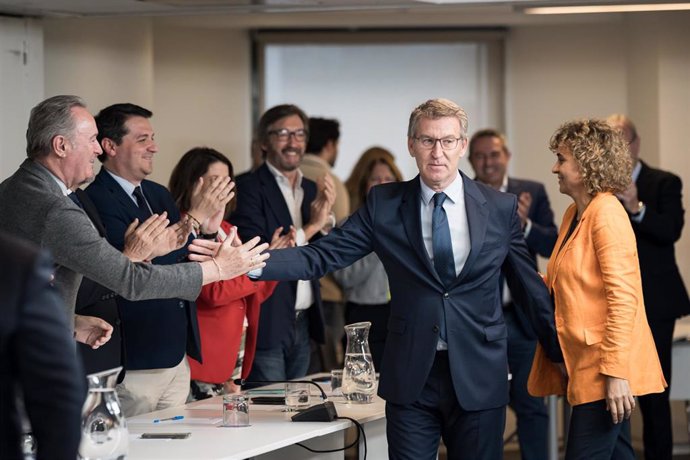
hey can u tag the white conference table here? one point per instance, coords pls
(271, 435)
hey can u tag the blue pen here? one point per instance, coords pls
(177, 417)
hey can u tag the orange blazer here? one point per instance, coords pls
(602, 327)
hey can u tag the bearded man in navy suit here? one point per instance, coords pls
(489, 157)
(444, 240)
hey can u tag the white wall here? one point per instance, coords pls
(639, 66)
(21, 86)
(197, 81)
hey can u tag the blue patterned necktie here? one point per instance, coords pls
(444, 262)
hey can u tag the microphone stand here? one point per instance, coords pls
(324, 412)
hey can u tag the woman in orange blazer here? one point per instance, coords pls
(594, 278)
(227, 311)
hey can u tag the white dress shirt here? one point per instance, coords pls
(293, 198)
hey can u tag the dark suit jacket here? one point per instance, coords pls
(94, 299)
(37, 356)
(390, 225)
(665, 296)
(261, 209)
(159, 331)
(542, 235)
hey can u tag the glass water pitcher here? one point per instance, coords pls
(359, 375)
(104, 434)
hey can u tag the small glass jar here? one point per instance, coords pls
(235, 410)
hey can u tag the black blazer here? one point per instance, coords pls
(159, 331)
(94, 299)
(665, 296)
(37, 356)
(261, 209)
(542, 236)
(390, 225)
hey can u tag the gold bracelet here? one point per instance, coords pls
(220, 272)
(196, 225)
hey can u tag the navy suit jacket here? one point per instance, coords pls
(543, 234)
(38, 361)
(390, 225)
(158, 332)
(94, 299)
(261, 209)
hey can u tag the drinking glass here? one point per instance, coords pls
(296, 396)
(235, 410)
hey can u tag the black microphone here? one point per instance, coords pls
(324, 412)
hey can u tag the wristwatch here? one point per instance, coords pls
(640, 208)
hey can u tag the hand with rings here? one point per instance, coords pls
(208, 201)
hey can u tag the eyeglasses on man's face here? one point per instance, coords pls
(284, 134)
(447, 143)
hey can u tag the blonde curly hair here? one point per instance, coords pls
(599, 151)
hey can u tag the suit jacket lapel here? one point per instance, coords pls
(477, 220)
(560, 249)
(411, 217)
(642, 182)
(274, 196)
(91, 211)
(118, 191)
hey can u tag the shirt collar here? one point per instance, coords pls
(280, 177)
(636, 171)
(504, 185)
(126, 185)
(454, 190)
(63, 188)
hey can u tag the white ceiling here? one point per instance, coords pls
(58, 8)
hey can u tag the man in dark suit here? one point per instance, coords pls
(94, 299)
(160, 332)
(277, 195)
(655, 206)
(444, 241)
(38, 361)
(489, 157)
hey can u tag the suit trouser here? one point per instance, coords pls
(593, 435)
(147, 390)
(531, 413)
(414, 430)
(657, 431)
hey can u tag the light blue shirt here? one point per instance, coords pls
(635, 174)
(128, 187)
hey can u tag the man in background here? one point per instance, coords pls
(654, 203)
(318, 161)
(277, 195)
(38, 362)
(489, 157)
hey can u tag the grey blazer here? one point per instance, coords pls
(33, 207)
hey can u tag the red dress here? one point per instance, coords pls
(221, 308)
